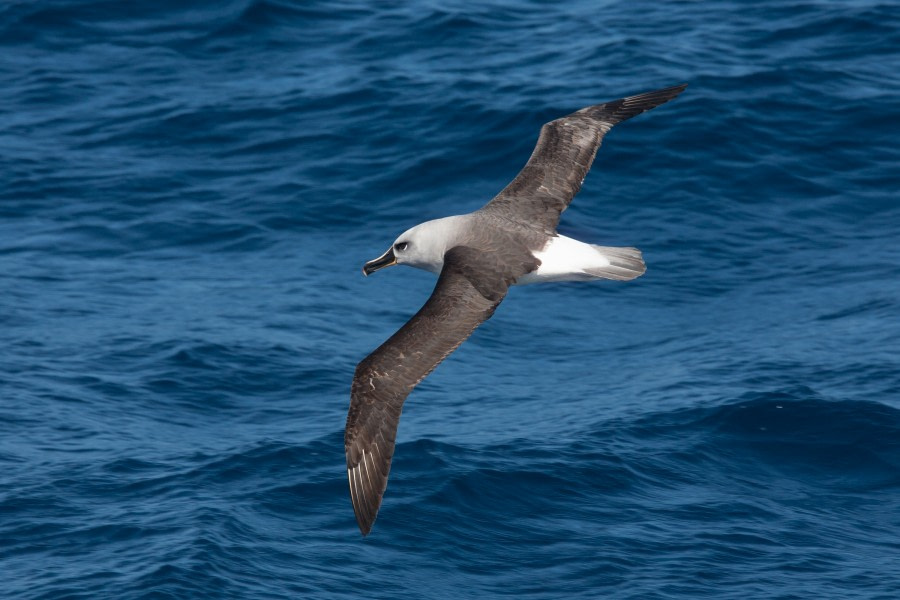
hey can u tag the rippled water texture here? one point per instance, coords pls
(189, 190)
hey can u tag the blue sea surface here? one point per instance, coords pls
(189, 189)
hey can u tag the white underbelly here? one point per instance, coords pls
(565, 259)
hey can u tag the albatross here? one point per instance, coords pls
(512, 240)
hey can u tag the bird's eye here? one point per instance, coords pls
(400, 246)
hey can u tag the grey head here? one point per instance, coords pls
(422, 246)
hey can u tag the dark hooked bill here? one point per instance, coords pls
(385, 260)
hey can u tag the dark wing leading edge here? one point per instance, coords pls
(468, 290)
(562, 158)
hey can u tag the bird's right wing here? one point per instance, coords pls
(468, 290)
(563, 157)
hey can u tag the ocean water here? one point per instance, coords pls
(189, 189)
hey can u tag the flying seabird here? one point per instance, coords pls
(511, 240)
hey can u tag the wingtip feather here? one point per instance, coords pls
(616, 111)
(364, 508)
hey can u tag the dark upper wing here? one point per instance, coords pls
(562, 158)
(468, 290)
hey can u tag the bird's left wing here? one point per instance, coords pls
(468, 290)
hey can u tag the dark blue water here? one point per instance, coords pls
(189, 189)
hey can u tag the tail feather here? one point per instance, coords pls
(624, 263)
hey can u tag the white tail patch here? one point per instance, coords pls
(565, 259)
(624, 263)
